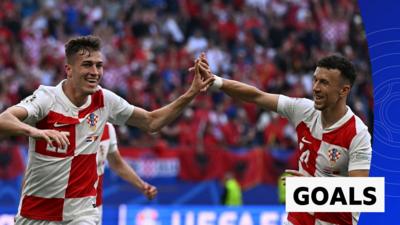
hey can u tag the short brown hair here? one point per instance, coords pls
(340, 63)
(83, 44)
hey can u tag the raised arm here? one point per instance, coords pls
(239, 90)
(153, 121)
(247, 93)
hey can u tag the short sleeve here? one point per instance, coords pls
(119, 109)
(360, 151)
(113, 139)
(37, 105)
(295, 109)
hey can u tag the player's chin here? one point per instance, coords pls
(318, 106)
(90, 89)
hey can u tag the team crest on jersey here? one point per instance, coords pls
(334, 155)
(92, 120)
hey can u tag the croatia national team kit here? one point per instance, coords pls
(108, 145)
(60, 183)
(333, 151)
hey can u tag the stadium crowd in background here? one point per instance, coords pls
(270, 44)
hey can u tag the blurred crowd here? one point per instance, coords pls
(150, 44)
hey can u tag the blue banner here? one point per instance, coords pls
(382, 28)
(180, 215)
(201, 215)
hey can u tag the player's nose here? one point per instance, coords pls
(94, 70)
(316, 87)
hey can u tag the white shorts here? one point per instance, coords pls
(100, 208)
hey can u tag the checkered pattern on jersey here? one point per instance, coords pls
(64, 177)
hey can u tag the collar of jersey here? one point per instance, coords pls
(68, 102)
(338, 123)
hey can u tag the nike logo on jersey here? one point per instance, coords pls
(57, 124)
(305, 140)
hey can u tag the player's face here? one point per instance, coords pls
(328, 88)
(85, 71)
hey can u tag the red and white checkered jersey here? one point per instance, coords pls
(108, 144)
(326, 152)
(60, 184)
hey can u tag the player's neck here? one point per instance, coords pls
(331, 115)
(77, 98)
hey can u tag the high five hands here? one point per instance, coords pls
(202, 69)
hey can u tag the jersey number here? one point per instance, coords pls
(305, 156)
(56, 149)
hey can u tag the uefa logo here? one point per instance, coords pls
(147, 216)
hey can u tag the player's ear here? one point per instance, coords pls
(345, 90)
(68, 70)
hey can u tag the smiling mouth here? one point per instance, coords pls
(318, 98)
(92, 81)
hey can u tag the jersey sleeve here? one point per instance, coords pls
(294, 109)
(119, 109)
(360, 151)
(113, 139)
(37, 105)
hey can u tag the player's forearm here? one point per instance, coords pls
(11, 125)
(247, 93)
(168, 113)
(240, 90)
(128, 174)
